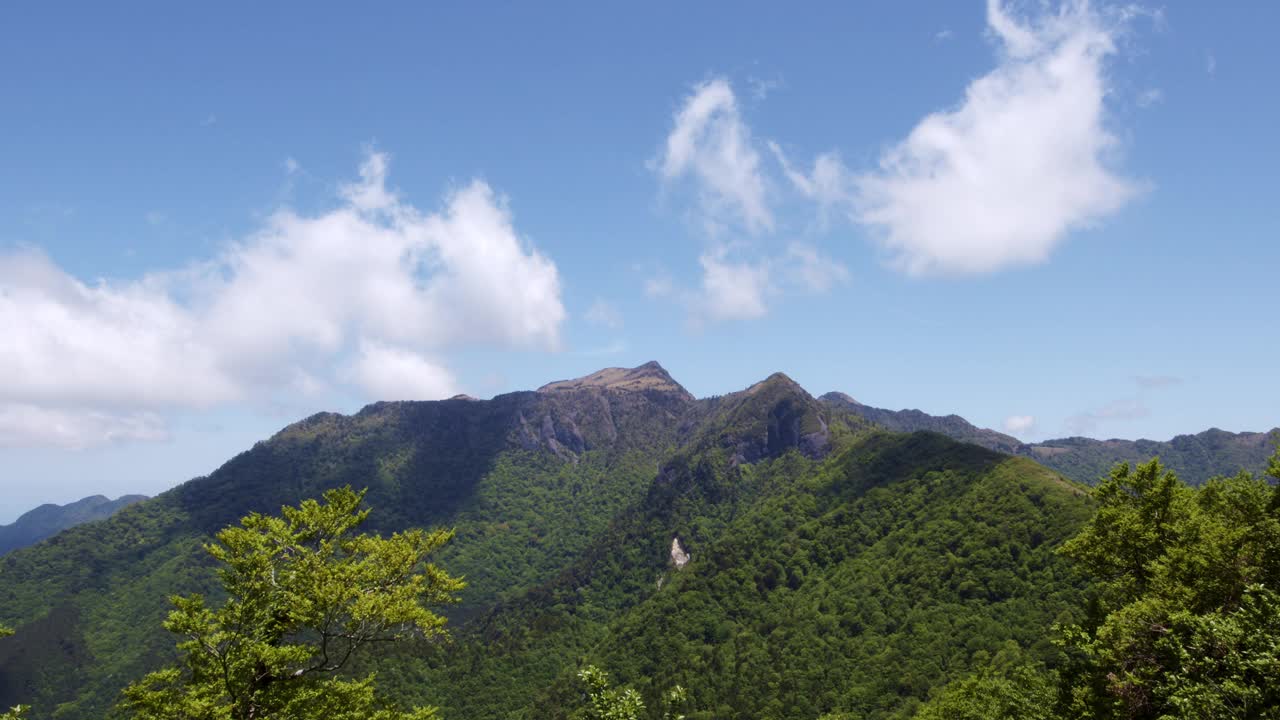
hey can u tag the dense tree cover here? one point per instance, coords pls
(86, 603)
(837, 572)
(18, 711)
(48, 520)
(1187, 613)
(1196, 458)
(1183, 619)
(304, 593)
(853, 584)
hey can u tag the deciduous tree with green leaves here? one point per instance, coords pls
(305, 593)
(1187, 621)
(604, 702)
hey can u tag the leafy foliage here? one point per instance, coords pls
(854, 584)
(1187, 617)
(1020, 693)
(1183, 619)
(86, 602)
(304, 593)
(607, 703)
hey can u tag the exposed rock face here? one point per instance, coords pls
(679, 557)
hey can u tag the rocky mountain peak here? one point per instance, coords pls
(647, 378)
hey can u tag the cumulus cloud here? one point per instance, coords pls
(391, 373)
(710, 144)
(275, 311)
(1000, 179)
(1019, 424)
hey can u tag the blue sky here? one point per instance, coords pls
(1051, 219)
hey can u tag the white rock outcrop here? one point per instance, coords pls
(679, 557)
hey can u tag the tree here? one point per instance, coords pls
(305, 594)
(1022, 693)
(1187, 618)
(605, 702)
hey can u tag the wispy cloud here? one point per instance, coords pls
(604, 314)
(1154, 382)
(1133, 407)
(1149, 97)
(943, 34)
(710, 145)
(1086, 423)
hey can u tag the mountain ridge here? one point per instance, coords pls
(567, 501)
(1196, 457)
(49, 519)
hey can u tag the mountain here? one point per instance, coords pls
(1195, 458)
(777, 554)
(953, 426)
(529, 479)
(49, 519)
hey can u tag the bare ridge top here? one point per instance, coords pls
(645, 378)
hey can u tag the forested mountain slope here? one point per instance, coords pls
(850, 581)
(834, 567)
(1195, 458)
(47, 520)
(527, 478)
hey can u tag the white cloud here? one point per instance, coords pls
(1000, 179)
(23, 425)
(732, 289)
(1019, 424)
(943, 34)
(604, 314)
(102, 345)
(828, 184)
(274, 312)
(710, 142)
(1210, 63)
(391, 373)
